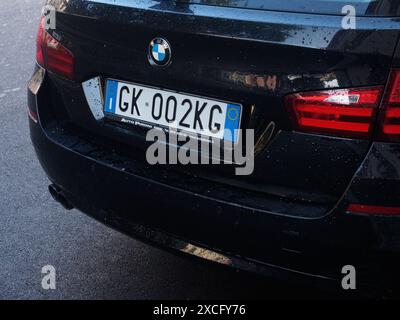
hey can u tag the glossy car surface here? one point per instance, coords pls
(290, 217)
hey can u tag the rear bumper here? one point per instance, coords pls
(153, 212)
(130, 198)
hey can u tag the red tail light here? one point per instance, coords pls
(373, 210)
(342, 112)
(39, 44)
(52, 55)
(390, 111)
(33, 115)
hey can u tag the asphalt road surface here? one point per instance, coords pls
(91, 260)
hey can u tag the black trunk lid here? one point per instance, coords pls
(252, 57)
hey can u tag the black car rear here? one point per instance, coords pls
(325, 190)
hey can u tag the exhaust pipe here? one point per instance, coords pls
(57, 194)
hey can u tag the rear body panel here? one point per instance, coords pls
(136, 199)
(332, 7)
(292, 208)
(257, 58)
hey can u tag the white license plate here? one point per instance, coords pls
(138, 104)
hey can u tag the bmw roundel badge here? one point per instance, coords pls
(159, 52)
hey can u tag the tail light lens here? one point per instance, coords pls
(342, 112)
(39, 44)
(33, 115)
(52, 55)
(390, 111)
(373, 210)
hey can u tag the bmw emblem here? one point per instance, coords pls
(159, 52)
